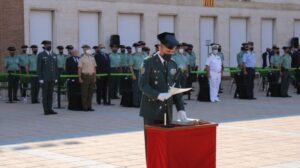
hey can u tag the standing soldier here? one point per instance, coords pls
(286, 63)
(34, 81)
(249, 63)
(87, 77)
(12, 66)
(214, 71)
(115, 60)
(135, 66)
(48, 75)
(23, 62)
(182, 62)
(61, 60)
(158, 74)
(275, 62)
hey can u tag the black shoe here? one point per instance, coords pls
(53, 112)
(253, 98)
(16, 99)
(106, 103)
(10, 102)
(90, 109)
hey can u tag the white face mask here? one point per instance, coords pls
(215, 51)
(89, 52)
(181, 50)
(103, 50)
(139, 50)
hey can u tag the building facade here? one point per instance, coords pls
(229, 22)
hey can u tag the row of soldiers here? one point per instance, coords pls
(121, 59)
(246, 60)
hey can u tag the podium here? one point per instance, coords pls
(188, 146)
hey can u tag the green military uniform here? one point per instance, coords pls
(275, 61)
(23, 62)
(155, 79)
(12, 66)
(182, 62)
(286, 62)
(48, 75)
(34, 81)
(61, 61)
(240, 58)
(136, 62)
(124, 62)
(115, 64)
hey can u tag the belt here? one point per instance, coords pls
(87, 74)
(12, 71)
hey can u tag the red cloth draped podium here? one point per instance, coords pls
(181, 146)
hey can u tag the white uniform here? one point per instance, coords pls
(215, 65)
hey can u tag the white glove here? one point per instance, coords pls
(55, 81)
(164, 96)
(181, 116)
(41, 81)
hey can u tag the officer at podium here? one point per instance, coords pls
(158, 74)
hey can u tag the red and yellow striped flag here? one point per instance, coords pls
(209, 3)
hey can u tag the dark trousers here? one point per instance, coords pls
(13, 84)
(136, 92)
(102, 89)
(35, 87)
(249, 82)
(87, 88)
(114, 84)
(23, 84)
(47, 92)
(285, 80)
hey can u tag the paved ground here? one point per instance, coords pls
(262, 133)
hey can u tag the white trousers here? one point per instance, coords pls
(214, 85)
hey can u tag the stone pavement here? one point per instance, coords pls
(262, 133)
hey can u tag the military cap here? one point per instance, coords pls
(122, 46)
(142, 43)
(145, 49)
(11, 49)
(285, 47)
(95, 47)
(135, 44)
(24, 46)
(86, 46)
(168, 40)
(244, 44)
(128, 48)
(215, 46)
(156, 45)
(60, 47)
(45, 42)
(250, 43)
(191, 46)
(69, 47)
(34, 46)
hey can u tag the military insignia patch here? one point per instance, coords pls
(173, 71)
(142, 70)
(156, 82)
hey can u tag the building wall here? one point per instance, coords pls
(187, 23)
(11, 26)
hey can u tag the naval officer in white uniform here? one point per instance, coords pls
(214, 71)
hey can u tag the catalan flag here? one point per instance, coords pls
(209, 3)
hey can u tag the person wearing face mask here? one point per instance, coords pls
(47, 72)
(158, 74)
(286, 65)
(103, 67)
(11, 64)
(115, 64)
(87, 77)
(34, 81)
(73, 84)
(23, 61)
(249, 63)
(214, 71)
(135, 64)
(182, 62)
